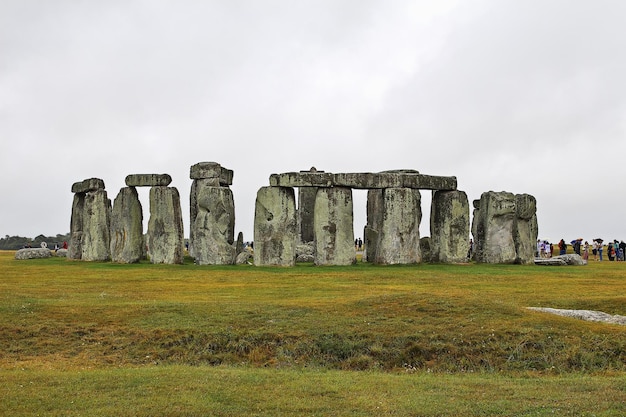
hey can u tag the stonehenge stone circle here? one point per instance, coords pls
(275, 227)
(127, 242)
(449, 227)
(319, 229)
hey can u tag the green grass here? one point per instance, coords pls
(412, 340)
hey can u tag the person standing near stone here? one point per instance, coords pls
(577, 246)
(600, 249)
(586, 251)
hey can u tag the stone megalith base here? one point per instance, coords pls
(95, 241)
(214, 225)
(33, 253)
(75, 247)
(275, 227)
(165, 228)
(333, 227)
(526, 229)
(127, 242)
(392, 232)
(495, 228)
(449, 227)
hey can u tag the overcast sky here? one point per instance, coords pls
(520, 96)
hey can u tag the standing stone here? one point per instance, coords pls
(398, 227)
(214, 225)
(127, 242)
(526, 229)
(95, 241)
(449, 227)
(333, 225)
(495, 225)
(165, 227)
(75, 247)
(275, 227)
(306, 210)
(374, 224)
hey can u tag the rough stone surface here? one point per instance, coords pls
(505, 228)
(305, 249)
(75, 247)
(95, 240)
(373, 225)
(165, 238)
(91, 184)
(127, 242)
(364, 180)
(305, 258)
(61, 252)
(425, 247)
(449, 227)
(211, 170)
(275, 227)
(495, 226)
(214, 226)
(306, 213)
(333, 225)
(148, 180)
(561, 260)
(526, 229)
(395, 225)
(239, 245)
(243, 258)
(32, 253)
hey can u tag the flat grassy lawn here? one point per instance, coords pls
(434, 340)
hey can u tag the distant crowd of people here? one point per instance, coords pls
(615, 250)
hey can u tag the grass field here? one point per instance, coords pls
(430, 340)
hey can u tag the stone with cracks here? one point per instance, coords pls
(148, 180)
(75, 247)
(33, 253)
(449, 227)
(95, 240)
(394, 216)
(333, 226)
(127, 242)
(213, 171)
(495, 227)
(526, 229)
(505, 228)
(91, 184)
(165, 238)
(213, 227)
(275, 227)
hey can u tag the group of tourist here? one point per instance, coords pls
(615, 250)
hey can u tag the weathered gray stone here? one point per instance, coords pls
(243, 258)
(495, 228)
(214, 226)
(374, 209)
(61, 252)
(148, 180)
(275, 227)
(211, 170)
(561, 260)
(91, 184)
(333, 225)
(425, 248)
(305, 258)
(127, 241)
(397, 179)
(239, 245)
(449, 227)
(32, 253)
(395, 224)
(95, 242)
(526, 229)
(305, 249)
(75, 247)
(306, 213)
(165, 228)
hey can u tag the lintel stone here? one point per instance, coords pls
(85, 186)
(211, 170)
(148, 180)
(365, 181)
